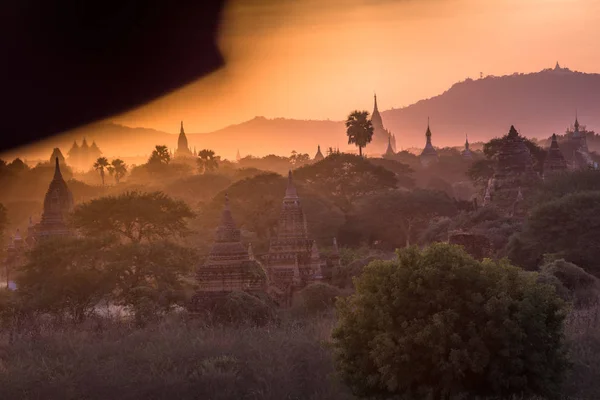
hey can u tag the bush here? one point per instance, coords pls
(438, 322)
(572, 282)
(316, 298)
(235, 309)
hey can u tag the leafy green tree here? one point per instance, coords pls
(150, 278)
(118, 169)
(436, 323)
(359, 129)
(134, 216)
(100, 165)
(343, 178)
(160, 156)
(567, 227)
(65, 276)
(207, 161)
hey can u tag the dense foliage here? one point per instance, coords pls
(439, 322)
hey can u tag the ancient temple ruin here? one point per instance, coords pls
(514, 175)
(183, 150)
(555, 161)
(318, 156)
(293, 260)
(381, 136)
(58, 203)
(229, 266)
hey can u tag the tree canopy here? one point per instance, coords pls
(568, 226)
(436, 322)
(134, 216)
(343, 178)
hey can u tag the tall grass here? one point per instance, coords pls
(180, 358)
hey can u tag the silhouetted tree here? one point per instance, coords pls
(359, 129)
(65, 276)
(343, 178)
(160, 155)
(118, 169)
(100, 165)
(207, 161)
(135, 216)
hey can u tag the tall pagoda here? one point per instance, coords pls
(293, 260)
(581, 158)
(514, 174)
(58, 202)
(429, 154)
(555, 161)
(319, 155)
(381, 136)
(229, 266)
(183, 149)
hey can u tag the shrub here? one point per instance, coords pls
(438, 322)
(316, 297)
(235, 308)
(573, 282)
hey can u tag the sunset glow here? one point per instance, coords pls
(307, 60)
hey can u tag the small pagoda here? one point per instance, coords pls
(466, 154)
(319, 155)
(429, 155)
(555, 161)
(293, 260)
(230, 266)
(389, 152)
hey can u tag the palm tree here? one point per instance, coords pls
(359, 129)
(118, 169)
(100, 164)
(160, 155)
(207, 161)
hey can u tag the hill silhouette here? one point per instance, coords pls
(538, 104)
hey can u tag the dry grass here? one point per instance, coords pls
(182, 359)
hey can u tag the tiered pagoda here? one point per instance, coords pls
(514, 174)
(381, 136)
(429, 154)
(293, 260)
(466, 154)
(319, 155)
(555, 161)
(229, 266)
(183, 149)
(58, 202)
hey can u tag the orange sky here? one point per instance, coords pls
(320, 59)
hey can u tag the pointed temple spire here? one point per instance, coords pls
(181, 128)
(57, 173)
(238, 157)
(389, 152)
(555, 161)
(290, 191)
(375, 103)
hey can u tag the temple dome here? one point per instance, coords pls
(514, 155)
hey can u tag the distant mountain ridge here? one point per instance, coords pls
(537, 104)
